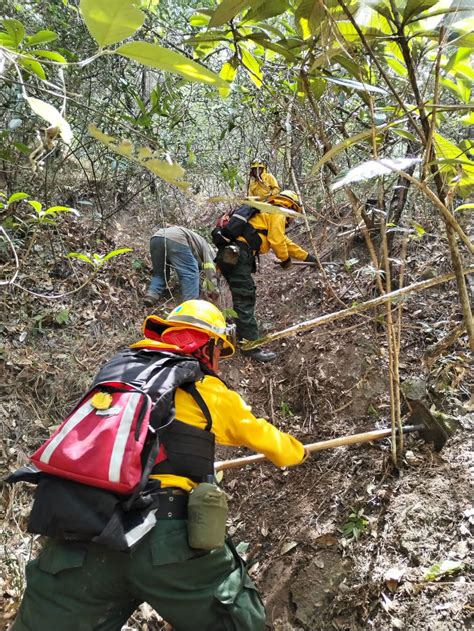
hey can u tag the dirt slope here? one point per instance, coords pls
(296, 524)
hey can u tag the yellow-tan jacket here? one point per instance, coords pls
(233, 423)
(276, 239)
(268, 186)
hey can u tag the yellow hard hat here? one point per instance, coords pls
(199, 315)
(258, 164)
(288, 199)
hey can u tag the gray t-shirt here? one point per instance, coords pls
(202, 251)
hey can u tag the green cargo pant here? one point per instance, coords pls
(243, 290)
(85, 587)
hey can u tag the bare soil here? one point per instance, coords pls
(344, 541)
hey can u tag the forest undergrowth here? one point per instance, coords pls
(344, 541)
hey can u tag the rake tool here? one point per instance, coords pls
(421, 419)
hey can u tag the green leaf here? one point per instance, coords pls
(460, 174)
(464, 207)
(441, 569)
(57, 209)
(82, 257)
(149, 4)
(63, 316)
(373, 168)
(348, 142)
(457, 58)
(405, 134)
(252, 66)
(415, 7)
(50, 54)
(111, 21)
(451, 17)
(36, 205)
(275, 47)
(116, 253)
(16, 197)
(23, 148)
(198, 19)
(33, 66)
(356, 85)
(419, 228)
(155, 56)
(171, 172)
(310, 16)
(227, 10)
(41, 37)
(267, 9)
(166, 169)
(15, 30)
(318, 87)
(7, 41)
(356, 69)
(227, 73)
(271, 209)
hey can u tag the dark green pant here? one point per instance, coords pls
(84, 587)
(243, 290)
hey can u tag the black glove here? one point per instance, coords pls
(286, 263)
(310, 259)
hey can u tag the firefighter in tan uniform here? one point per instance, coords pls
(262, 184)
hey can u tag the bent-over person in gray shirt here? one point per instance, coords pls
(187, 252)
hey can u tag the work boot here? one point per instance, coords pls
(259, 355)
(150, 299)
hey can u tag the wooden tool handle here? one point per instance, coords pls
(365, 437)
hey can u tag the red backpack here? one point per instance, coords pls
(93, 473)
(101, 443)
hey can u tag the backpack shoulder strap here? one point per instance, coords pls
(194, 392)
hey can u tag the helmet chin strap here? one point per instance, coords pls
(209, 355)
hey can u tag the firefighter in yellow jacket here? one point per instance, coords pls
(76, 585)
(267, 233)
(262, 184)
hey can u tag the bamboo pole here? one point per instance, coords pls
(357, 309)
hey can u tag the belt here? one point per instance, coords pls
(173, 504)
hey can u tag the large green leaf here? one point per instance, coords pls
(111, 21)
(166, 169)
(156, 56)
(15, 30)
(374, 18)
(310, 15)
(227, 10)
(41, 37)
(50, 54)
(33, 66)
(415, 7)
(6, 40)
(252, 65)
(264, 207)
(227, 73)
(267, 9)
(373, 168)
(282, 50)
(453, 163)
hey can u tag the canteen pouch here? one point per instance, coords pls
(230, 254)
(207, 517)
